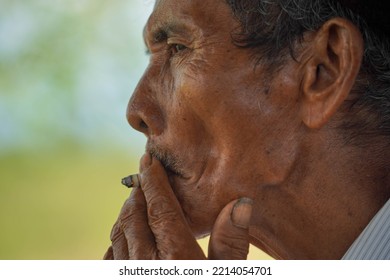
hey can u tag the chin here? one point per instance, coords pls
(199, 216)
(198, 205)
(201, 231)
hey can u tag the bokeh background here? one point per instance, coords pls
(67, 70)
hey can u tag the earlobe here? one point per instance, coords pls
(330, 71)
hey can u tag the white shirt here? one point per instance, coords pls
(374, 242)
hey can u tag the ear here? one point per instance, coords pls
(329, 73)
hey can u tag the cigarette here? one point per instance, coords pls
(132, 181)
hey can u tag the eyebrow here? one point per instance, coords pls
(161, 32)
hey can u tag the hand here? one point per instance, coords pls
(151, 224)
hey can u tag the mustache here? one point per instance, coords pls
(171, 163)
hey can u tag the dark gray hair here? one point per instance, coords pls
(272, 27)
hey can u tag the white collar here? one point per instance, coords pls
(374, 242)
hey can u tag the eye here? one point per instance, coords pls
(176, 48)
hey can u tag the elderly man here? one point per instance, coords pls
(268, 122)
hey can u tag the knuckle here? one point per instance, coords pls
(160, 210)
(143, 252)
(115, 232)
(131, 207)
(109, 255)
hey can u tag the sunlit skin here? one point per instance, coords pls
(220, 127)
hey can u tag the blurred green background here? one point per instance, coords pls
(67, 70)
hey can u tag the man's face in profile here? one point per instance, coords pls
(222, 126)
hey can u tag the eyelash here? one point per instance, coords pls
(176, 48)
(173, 48)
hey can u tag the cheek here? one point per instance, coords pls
(200, 88)
(245, 133)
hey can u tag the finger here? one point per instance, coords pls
(229, 239)
(119, 243)
(134, 223)
(174, 238)
(109, 255)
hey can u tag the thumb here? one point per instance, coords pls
(229, 239)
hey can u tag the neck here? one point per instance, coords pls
(325, 201)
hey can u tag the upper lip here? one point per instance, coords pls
(169, 161)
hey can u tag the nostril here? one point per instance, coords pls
(143, 125)
(137, 122)
(143, 114)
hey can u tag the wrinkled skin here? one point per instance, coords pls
(198, 112)
(221, 129)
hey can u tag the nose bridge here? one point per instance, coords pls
(144, 111)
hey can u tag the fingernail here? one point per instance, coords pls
(146, 160)
(241, 213)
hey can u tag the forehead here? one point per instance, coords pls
(206, 15)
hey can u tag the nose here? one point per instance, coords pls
(144, 111)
